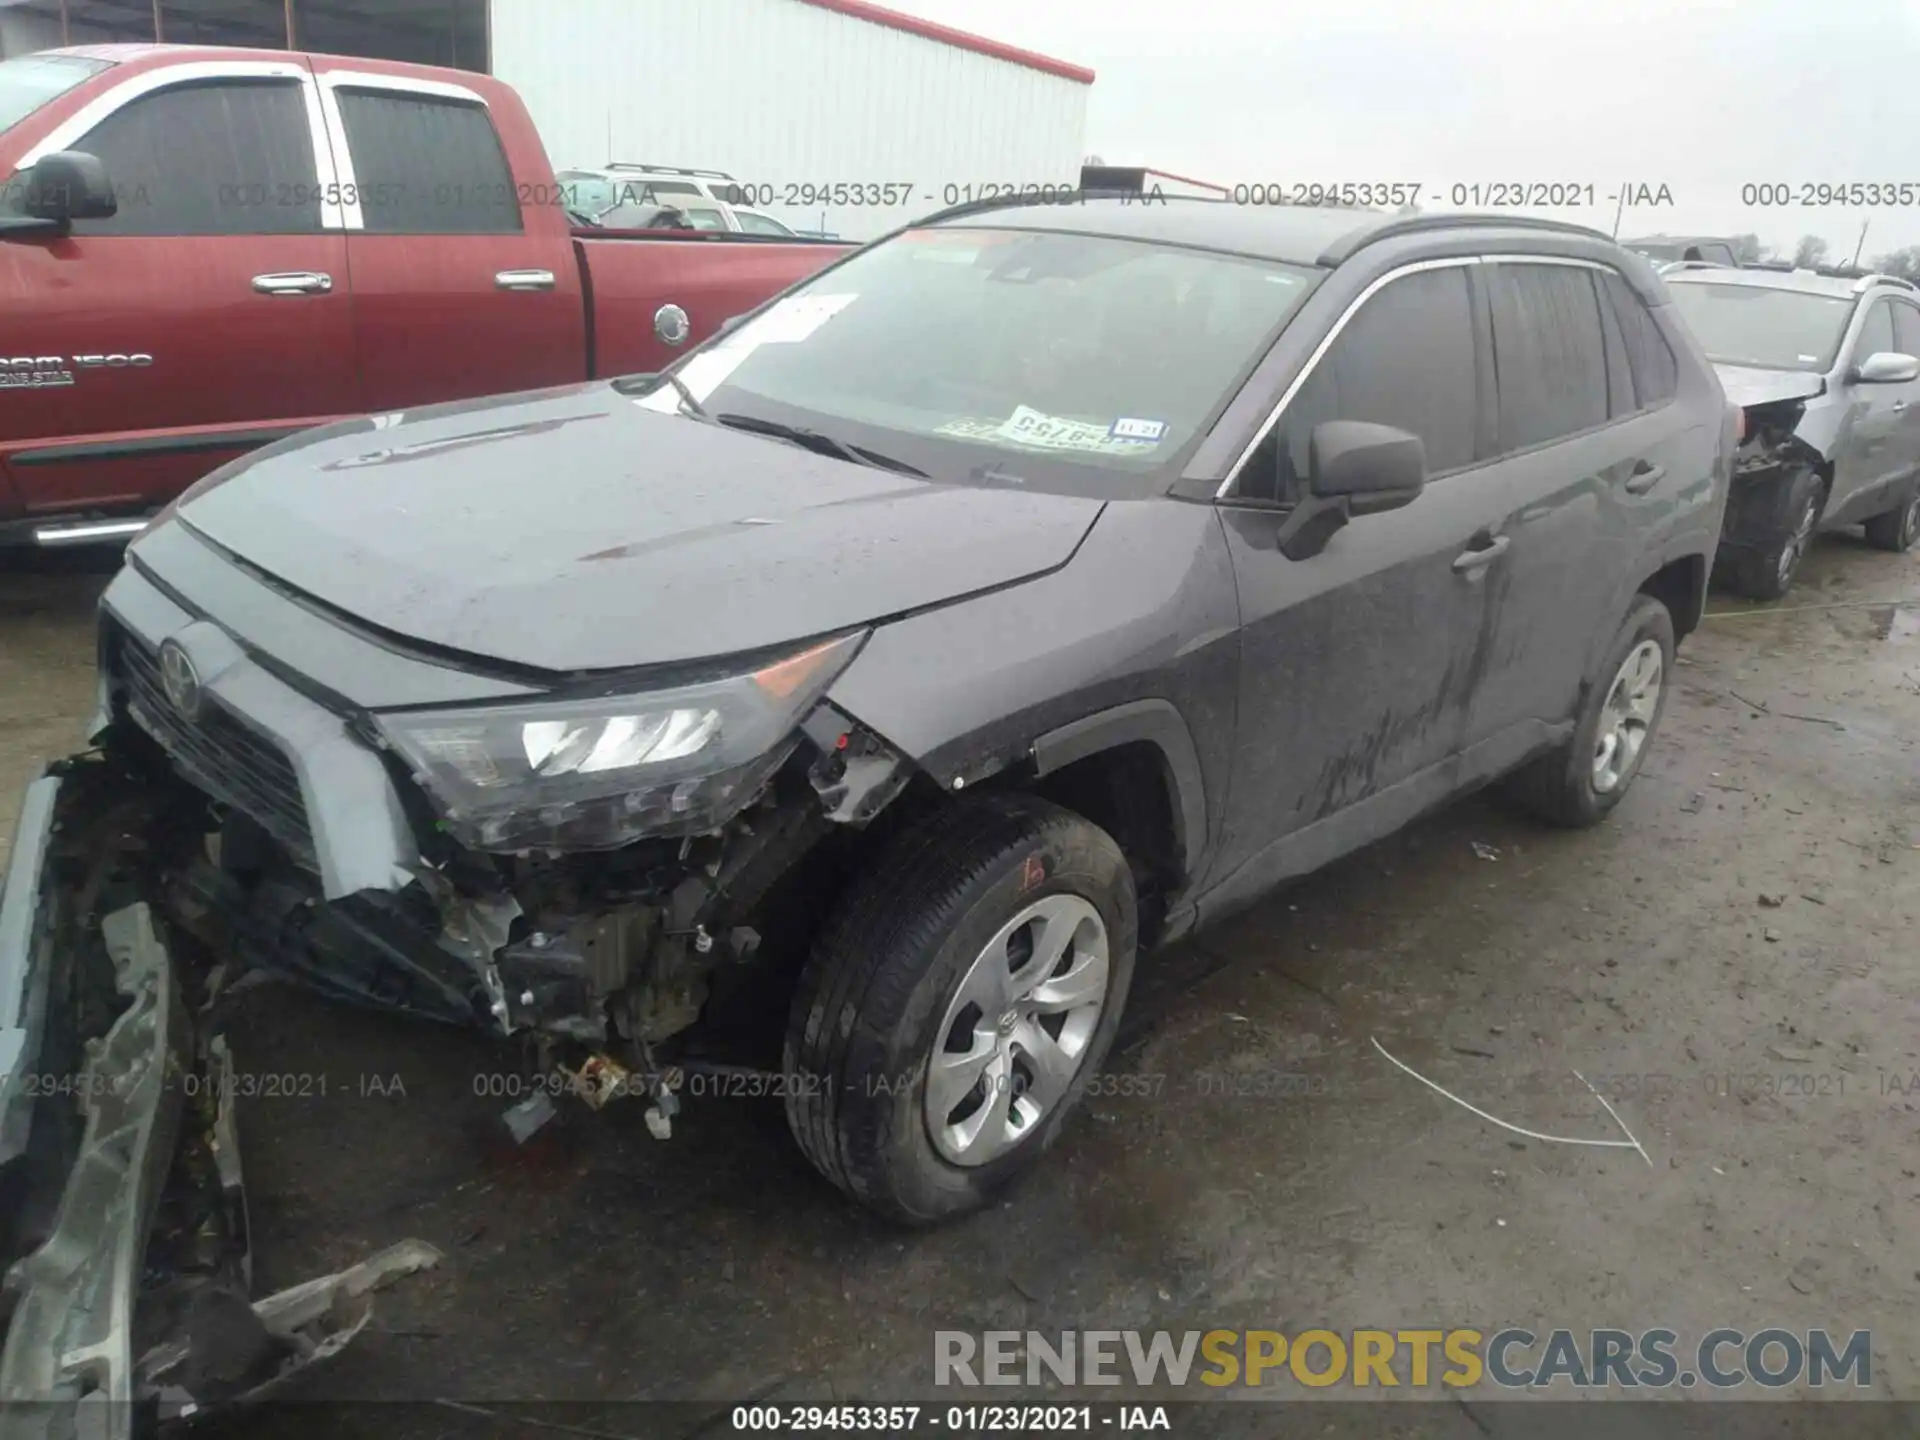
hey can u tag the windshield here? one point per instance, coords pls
(1003, 355)
(31, 81)
(1768, 328)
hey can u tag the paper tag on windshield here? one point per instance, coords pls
(795, 318)
(1027, 426)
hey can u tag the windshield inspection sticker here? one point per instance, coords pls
(1146, 431)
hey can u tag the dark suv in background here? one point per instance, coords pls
(1825, 366)
(859, 700)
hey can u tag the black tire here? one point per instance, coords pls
(866, 1015)
(1898, 528)
(1766, 571)
(1560, 787)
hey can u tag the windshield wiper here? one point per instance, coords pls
(819, 443)
(647, 384)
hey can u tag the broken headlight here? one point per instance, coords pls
(595, 774)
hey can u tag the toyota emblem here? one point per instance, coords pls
(180, 680)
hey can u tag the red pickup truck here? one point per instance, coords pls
(204, 249)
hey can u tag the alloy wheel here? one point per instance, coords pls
(1632, 701)
(1017, 1029)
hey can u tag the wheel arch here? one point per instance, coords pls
(1140, 727)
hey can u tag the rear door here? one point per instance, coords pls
(462, 266)
(1589, 463)
(210, 314)
(1359, 663)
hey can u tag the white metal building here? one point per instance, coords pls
(794, 97)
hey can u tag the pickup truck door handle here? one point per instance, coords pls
(524, 280)
(293, 282)
(1482, 555)
(1644, 477)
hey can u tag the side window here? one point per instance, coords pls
(1549, 356)
(1620, 398)
(1656, 374)
(1876, 333)
(1405, 358)
(223, 157)
(1906, 328)
(425, 165)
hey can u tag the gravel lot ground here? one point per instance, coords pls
(1766, 1055)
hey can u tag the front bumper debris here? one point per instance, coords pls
(127, 1234)
(70, 1342)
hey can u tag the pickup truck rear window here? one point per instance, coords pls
(1059, 351)
(428, 165)
(34, 80)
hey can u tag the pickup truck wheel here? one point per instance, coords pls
(957, 1003)
(1580, 783)
(1898, 528)
(1766, 571)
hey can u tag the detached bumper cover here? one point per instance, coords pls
(69, 1348)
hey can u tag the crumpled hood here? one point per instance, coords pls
(1746, 385)
(573, 529)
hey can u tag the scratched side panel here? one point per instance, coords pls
(1358, 664)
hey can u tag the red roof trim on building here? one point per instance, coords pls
(979, 44)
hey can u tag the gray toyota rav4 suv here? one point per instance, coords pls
(861, 700)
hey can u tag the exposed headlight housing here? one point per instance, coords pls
(596, 774)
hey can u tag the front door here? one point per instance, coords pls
(210, 314)
(1876, 452)
(1359, 664)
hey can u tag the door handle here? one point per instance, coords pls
(1469, 561)
(524, 280)
(1644, 477)
(293, 282)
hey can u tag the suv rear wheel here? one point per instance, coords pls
(957, 1003)
(1580, 783)
(1898, 528)
(1766, 571)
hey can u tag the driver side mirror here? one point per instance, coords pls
(1375, 467)
(1354, 468)
(69, 185)
(1886, 367)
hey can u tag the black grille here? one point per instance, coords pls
(216, 752)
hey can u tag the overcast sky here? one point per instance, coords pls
(1701, 95)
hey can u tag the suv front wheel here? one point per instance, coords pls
(1766, 571)
(957, 1003)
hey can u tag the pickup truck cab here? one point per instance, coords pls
(203, 250)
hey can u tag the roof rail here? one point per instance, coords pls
(1867, 282)
(1056, 197)
(1343, 248)
(1667, 267)
(666, 169)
